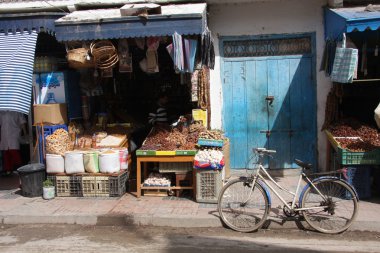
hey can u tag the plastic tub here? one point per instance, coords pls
(109, 162)
(32, 177)
(55, 163)
(123, 157)
(74, 162)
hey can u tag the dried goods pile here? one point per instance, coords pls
(212, 135)
(171, 139)
(369, 137)
(58, 142)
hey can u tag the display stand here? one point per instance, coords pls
(142, 163)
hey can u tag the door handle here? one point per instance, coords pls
(270, 99)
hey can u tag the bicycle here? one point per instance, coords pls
(327, 203)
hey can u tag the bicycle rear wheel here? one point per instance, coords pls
(334, 212)
(242, 209)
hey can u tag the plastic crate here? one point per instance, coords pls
(67, 186)
(209, 183)
(95, 186)
(118, 184)
(360, 178)
(48, 130)
(346, 157)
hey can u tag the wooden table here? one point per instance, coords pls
(142, 163)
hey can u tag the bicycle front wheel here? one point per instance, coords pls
(241, 208)
(332, 206)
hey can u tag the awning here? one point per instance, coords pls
(184, 19)
(12, 23)
(346, 20)
(16, 70)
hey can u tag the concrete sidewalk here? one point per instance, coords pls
(150, 211)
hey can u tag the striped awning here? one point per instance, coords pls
(16, 70)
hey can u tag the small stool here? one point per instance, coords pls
(183, 179)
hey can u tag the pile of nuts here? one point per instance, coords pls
(162, 138)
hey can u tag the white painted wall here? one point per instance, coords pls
(269, 17)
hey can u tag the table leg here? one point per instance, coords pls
(138, 180)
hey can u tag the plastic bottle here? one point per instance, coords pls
(93, 144)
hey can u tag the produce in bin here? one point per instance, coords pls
(355, 136)
(158, 180)
(209, 159)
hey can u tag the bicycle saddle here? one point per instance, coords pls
(303, 165)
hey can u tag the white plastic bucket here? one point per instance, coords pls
(109, 162)
(91, 162)
(123, 157)
(74, 162)
(55, 163)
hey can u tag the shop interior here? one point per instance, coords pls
(350, 111)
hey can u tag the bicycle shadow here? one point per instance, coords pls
(276, 220)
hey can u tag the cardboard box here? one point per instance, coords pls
(49, 86)
(50, 113)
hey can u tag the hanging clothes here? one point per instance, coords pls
(151, 54)
(363, 68)
(207, 49)
(178, 52)
(328, 57)
(190, 51)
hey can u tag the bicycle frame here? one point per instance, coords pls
(294, 194)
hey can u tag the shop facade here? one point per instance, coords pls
(278, 92)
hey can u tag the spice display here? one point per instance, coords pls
(368, 137)
(212, 135)
(58, 142)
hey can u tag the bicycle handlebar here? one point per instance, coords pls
(264, 151)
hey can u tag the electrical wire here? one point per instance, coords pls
(56, 7)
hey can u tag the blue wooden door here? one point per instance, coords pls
(270, 102)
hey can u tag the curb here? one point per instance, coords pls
(166, 220)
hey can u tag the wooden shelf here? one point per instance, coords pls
(141, 167)
(166, 187)
(365, 80)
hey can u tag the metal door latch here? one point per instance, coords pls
(270, 99)
(267, 132)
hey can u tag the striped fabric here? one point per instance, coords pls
(16, 70)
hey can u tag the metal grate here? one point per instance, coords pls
(267, 47)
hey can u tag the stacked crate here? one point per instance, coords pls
(90, 185)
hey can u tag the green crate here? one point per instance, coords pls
(185, 152)
(145, 152)
(346, 157)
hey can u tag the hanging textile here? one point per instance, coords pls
(151, 54)
(207, 49)
(190, 51)
(328, 56)
(16, 70)
(345, 63)
(178, 57)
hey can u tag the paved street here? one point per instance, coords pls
(75, 238)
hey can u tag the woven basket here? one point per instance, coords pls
(104, 53)
(78, 58)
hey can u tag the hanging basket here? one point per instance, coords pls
(104, 53)
(79, 57)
